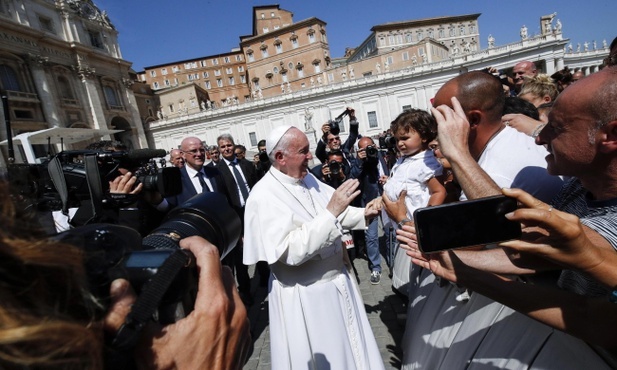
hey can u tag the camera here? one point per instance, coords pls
(387, 142)
(64, 179)
(114, 251)
(335, 124)
(371, 151)
(335, 168)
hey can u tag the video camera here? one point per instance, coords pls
(163, 275)
(72, 176)
(335, 124)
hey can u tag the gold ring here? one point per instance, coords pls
(507, 123)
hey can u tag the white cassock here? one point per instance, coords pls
(317, 316)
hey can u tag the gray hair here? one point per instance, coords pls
(227, 137)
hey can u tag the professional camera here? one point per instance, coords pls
(163, 275)
(371, 151)
(335, 124)
(387, 142)
(70, 177)
(335, 168)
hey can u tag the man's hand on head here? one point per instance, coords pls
(452, 129)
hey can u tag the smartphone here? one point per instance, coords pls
(465, 224)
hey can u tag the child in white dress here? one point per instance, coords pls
(415, 171)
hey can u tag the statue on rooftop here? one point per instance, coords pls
(524, 33)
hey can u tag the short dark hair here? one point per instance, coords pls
(261, 142)
(338, 152)
(517, 105)
(417, 120)
(241, 147)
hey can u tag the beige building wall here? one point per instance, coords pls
(283, 56)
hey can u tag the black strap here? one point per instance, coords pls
(94, 184)
(149, 300)
(57, 178)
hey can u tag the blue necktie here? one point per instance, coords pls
(204, 186)
(239, 180)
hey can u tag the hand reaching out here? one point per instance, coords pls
(343, 196)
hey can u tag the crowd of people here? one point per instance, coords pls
(550, 142)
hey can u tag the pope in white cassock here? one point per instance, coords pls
(295, 223)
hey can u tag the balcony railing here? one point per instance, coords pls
(22, 96)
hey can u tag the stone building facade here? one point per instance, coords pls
(61, 66)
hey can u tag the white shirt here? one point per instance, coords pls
(512, 159)
(195, 179)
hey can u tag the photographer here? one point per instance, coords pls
(48, 314)
(261, 160)
(371, 170)
(335, 171)
(331, 140)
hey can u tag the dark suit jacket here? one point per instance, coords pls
(368, 175)
(248, 170)
(188, 190)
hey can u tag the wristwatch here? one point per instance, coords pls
(403, 222)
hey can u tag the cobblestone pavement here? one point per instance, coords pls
(385, 313)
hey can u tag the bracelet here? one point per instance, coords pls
(403, 222)
(536, 131)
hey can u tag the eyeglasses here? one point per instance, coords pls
(195, 151)
(333, 139)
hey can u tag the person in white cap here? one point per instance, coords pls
(295, 223)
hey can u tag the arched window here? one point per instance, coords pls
(66, 92)
(8, 78)
(112, 97)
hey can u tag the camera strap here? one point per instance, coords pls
(148, 301)
(57, 178)
(94, 184)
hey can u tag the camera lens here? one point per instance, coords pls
(335, 167)
(371, 151)
(207, 215)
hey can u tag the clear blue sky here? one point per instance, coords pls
(155, 31)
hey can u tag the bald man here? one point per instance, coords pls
(196, 178)
(520, 71)
(577, 75)
(485, 156)
(175, 158)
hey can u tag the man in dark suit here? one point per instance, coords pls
(215, 156)
(371, 170)
(329, 141)
(196, 178)
(239, 176)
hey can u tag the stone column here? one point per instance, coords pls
(137, 125)
(44, 90)
(92, 98)
(560, 63)
(550, 66)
